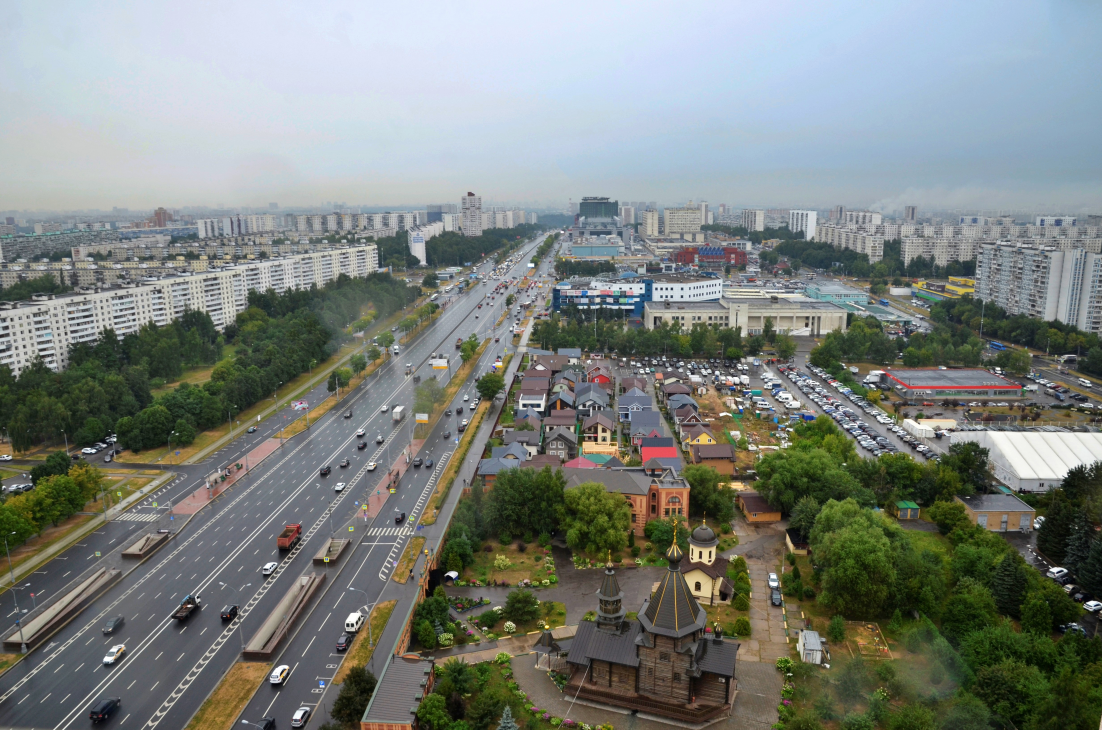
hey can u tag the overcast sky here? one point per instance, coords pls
(943, 104)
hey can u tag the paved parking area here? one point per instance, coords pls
(763, 548)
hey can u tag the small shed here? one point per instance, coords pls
(906, 510)
(796, 542)
(810, 647)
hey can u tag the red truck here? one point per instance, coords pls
(289, 536)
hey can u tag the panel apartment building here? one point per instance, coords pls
(1042, 281)
(47, 325)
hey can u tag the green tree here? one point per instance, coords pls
(432, 713)
(344, 377)
(490, 385)
(484, 710)
(184, 433)
(408, 323)
(373, 353)
(912, 717)
(1079, 542)
(706, 496)
(1036, 615)
(660, 533)
(521, 606)
(1012, 690)
(970, 607)
(469, 348)
(595, 520)
(1052, 538)
(386, 339)
(785, 347)
(358, 363)
(507, 721)
(852, 546)
(967, 713)
(525, 500)
(803, 515)
(430, 281)
(948, 516)
(1090, 572)
(1071, 703)
(331, 384)
(56, 463)
(768, 330)
(786, 476)
(1009, 584)
(461, 675)
(356, 691)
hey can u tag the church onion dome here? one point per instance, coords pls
(703, 537)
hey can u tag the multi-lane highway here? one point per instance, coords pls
(169, 666)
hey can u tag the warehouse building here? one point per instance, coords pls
(1034, 461)
(967, 383)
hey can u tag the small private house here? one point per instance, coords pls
(573, 355)
(696, 436)
(536, 399)
(651, 448)
(598, 429)
(530, 440)
(998, 512)
(562, 400)
(598, 374)
(672, 389)
(810, 647)
(720, 457)
(627, 384)
(562, 442)
(632, 401)
(906, 510)
(756, 509)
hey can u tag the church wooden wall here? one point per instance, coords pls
(710, 690)
(623, 678)
(663, 673)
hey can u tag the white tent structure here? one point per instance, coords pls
(1035, 461)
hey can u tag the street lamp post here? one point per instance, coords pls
(64, 436)
(240, 620)
(11, 572)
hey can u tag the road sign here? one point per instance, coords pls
(351, 529)
(321, 682)
(119, 493)
(154, 504)
(97, 553)
(325, 559)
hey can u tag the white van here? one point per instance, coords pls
(1084, 382)
(354, 622)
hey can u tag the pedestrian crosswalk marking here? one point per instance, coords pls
(376, 531)
(131, 517)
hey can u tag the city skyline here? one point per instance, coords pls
(135, 108)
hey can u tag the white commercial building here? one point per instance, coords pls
(802, 220)
(471, 210)
(49, 324)
(1034, 461)
(1055, 221)
(753, 220)
(678, 221)
(452, 221)
(796, 315)
(1045, 282)
(627, 214)
(649, 224)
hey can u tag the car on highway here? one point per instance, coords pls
(372, 466)
(113, 624)
(774, 582)
(458, 410)
(266, 723)
(339, 487)
(326, 471)
(448, 412)
(361, 446)
(300, 717)
(428, 463)
(229, 613)
(379, 439)
(467, 397)
(345, 463)
(343, 642)
(384, 409)
(114, 654)
(418, 462)
(279, 674)
(399, 518)
(348, 414)
(103, 708)
(447, 434)
(463, 425)
(269, 568)
(251, 429)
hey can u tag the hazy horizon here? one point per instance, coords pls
(940, 105)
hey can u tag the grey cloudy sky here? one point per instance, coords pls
(990, 104)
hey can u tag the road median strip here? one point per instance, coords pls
(361, 651)
(230, 697)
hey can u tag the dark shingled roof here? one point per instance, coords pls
(399, 691)
(590, 643)
(673, 611)
(718, 658)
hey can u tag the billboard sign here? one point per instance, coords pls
(421, 417)
(439, 364)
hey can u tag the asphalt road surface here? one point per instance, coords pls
(170, 666)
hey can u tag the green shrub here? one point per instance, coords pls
(544, 539)
(737, 565)
(505, 537)
(836, 632)
(741, 602)
(635, 551)
(742, 626)
(809, 593)
(791, 558)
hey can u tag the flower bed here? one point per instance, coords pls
(463, 604)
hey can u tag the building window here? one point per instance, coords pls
(664, 656)
(677, 676)
(697, 588)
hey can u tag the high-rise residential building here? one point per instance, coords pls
(471, 210)
(870, 244)
(417, 245)
(910, 213)
(1055, 221)
(627, 213)
(803, 220)
(452, 221)
(160, 218)
(704, 212)
(863, 218)
(838, 213)
(753, 220)
(9, 220)
(48, 325)
(436, 211)
(1042, 281)
(679, 221)
(649, 223)
(40, 228)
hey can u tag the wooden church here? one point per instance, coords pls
(662, 663)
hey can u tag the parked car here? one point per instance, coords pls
(775, 597)
(774, 582)
(343, 642)
(1057, 573)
